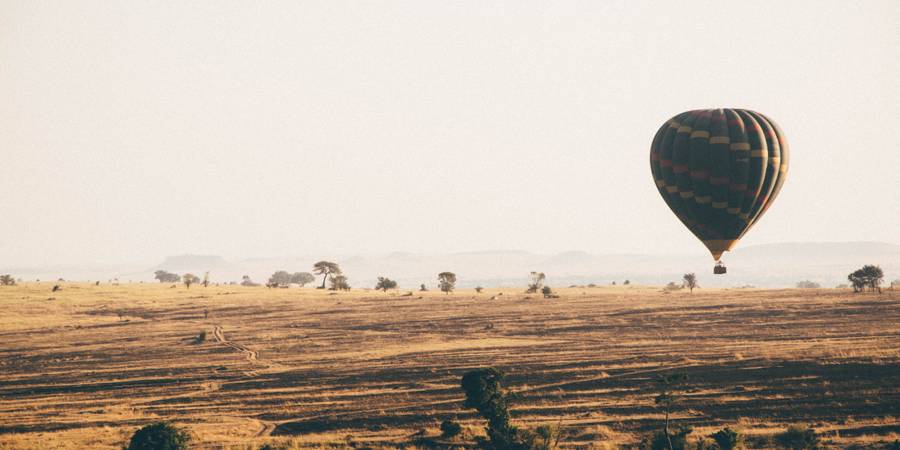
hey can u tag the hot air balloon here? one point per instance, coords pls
(719, 170)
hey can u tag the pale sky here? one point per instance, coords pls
(133, 130)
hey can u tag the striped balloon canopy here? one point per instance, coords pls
(719, 171)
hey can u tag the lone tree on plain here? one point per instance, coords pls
(280, 278)
(188, 279)
(7, 280)
(326, 268)
(689, 281)
(869, 275)
(166, 277)
(159, 436)
(447, 281)
(537, 282)
(385, 283)
(302, 278)
(422, 288)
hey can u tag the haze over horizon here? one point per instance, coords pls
(130, 132)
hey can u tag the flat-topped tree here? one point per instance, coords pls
(302, 278)
(166, 277)
(385, 283)
(326, 268)
(280, 278)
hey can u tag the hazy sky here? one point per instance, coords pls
(132, 130)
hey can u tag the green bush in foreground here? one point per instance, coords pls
(159, 436)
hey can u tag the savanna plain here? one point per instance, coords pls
(240, 366)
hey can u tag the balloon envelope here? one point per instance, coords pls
(719, 171)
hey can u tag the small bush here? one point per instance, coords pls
(658, 441)
(728, 439)
(159, 436)
(797, 438)
(478, 289)
(450, 429)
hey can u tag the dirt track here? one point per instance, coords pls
(380, 367)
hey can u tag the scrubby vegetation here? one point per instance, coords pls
(340, 283)
(159, 436)
(797, 438)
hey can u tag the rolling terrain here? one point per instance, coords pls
(86, 366)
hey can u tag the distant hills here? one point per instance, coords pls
(770, 265)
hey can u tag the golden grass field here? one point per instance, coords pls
(86, 366)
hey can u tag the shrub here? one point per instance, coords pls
(159, 436)
(339, 283)
(478, 289)
(450, 429)
(806, 284)
(728, 439)
(797, 437)
(7, 280)
(658, 441)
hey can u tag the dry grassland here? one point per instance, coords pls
(86, 366)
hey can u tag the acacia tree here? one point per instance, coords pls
(869, 275)
(302, 278)
(385, 283)
(447, 281)
(280, 278)
(326, 268)
(188, 279)
(7, 280)
(537, 282)
(689, 280)
(166, 277)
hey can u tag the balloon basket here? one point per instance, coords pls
(720, 268)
